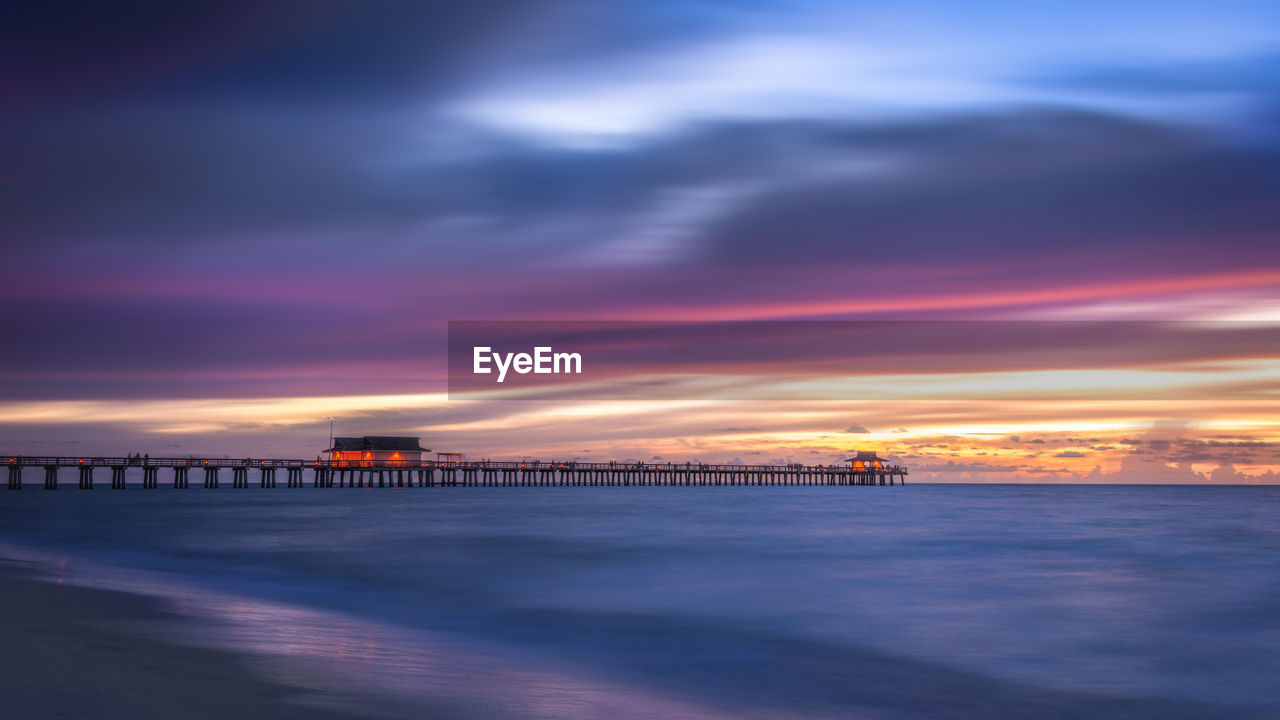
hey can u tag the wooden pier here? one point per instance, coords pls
(368, 474)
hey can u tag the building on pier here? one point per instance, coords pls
(867, 461)
(377, 449)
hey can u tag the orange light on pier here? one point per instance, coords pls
(865, 461)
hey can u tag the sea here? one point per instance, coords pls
(916, 601)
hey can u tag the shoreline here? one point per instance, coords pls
(73, 652)
(638, 608)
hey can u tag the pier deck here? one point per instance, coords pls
(328, 473)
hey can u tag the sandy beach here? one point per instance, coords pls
(71, 652)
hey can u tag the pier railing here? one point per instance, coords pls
(224, 462)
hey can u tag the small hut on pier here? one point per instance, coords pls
(867, 461)
(377, 449)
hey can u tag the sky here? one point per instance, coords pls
(223, 226)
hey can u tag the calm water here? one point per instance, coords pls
(925, 601)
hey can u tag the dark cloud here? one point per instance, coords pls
(1009, 187)
(1194, 450)
(856, 428)
(160, 176)
(144, 123)
(192, 347)
(1242, 444)
(322, 51)
(1055, 187)
(1069, 454)
(146, 175)
(952, 466)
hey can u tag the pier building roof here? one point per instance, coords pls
(377, 443)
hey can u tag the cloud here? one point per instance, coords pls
(279, 201)
(954, 467)
(1196, 77)
(292, 186)
(241, 51)
(820, 61)
(856, 428)
(1103, 186)
(306, 135)
(1069, 454)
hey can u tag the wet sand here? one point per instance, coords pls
(73, 652)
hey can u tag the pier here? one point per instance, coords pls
(212, 473)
